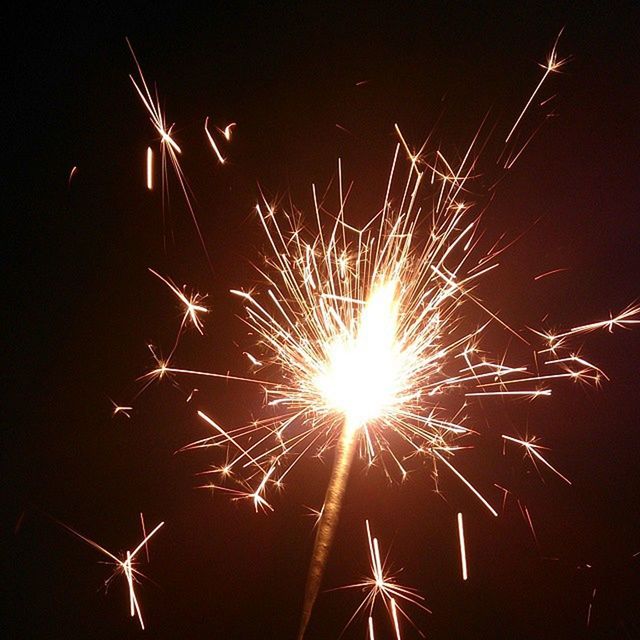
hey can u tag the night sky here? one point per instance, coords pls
(81, 307)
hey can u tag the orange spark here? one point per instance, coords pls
(149, 167)
(226, 132)
(463, 551)
(125, 567)
(214, 146)
(552, 65)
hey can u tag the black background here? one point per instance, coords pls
(81, 307)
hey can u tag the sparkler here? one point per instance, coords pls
(370, 339)
(368, 334)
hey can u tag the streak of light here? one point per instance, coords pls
(144, 535)
(226, 132)
(120, 409)
(534, 451)
(168, 146)
(552, 65)
(463, 551)
(593, 595)
(193, 304)
(149, 166)
(394, 615)
(212, 142)
(550, 273)
(467, 483)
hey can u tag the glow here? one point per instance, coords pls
(362, 376)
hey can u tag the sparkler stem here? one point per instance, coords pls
(328, 521)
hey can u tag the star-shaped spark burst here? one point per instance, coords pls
(192, 304)
(125, 567)
(383, 587)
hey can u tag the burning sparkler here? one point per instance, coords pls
(367, 332)
(370, 339)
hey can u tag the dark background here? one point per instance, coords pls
(81, 308)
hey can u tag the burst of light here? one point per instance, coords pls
(533, 450)
(382, 586)
(126, 567)
(552, 65)
(170, 150)
(192, 304)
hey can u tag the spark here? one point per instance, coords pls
(19, 522)
(214, 146)
(463, 551)
(383, 586)
(253, 360)
(120, 409)
(593, 595)
(193, 304)
(552, 65)
(467, 483)
(126, 567)
(339, 126)
(628, 317)
(226, 132)
(169, 147)
(550, 273)
(533, 450)
(149, 166)
(144, 535)
(72, 173)
(527, 516)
